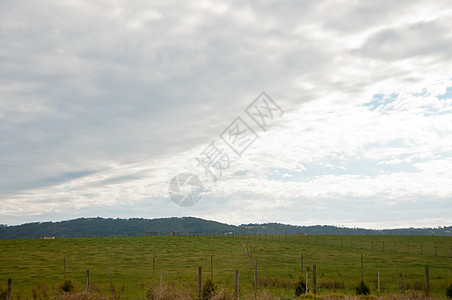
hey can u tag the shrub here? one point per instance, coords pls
(3, 293)
(150, 294)
(208, 289)
(300, 288)
(449, 291)
(67, 286)
(362, 288)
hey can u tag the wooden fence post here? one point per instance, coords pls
(161, 281)
(378, 279)
(153, 273)
(211, 267)
(199, 281)
(112, 288)
(362, 267)
(427, 282)
(306, 290)
(421, 249)
(435, 249)
(314, 279)
(10, 289)
(255, 280)
(236, 285)
(87, 282)
(401, 275)
(302, 269)
(65, 269)
(383, 246)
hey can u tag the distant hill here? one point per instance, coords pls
(100, 227)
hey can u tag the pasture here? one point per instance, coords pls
(37, 266)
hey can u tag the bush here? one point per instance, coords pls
(3, 293)
(300, 288)
(67, 286)
(150, 294)
(362, 288)
(449, 291)
(208, 289)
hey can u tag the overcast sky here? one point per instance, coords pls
(102, 103)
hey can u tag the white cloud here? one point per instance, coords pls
(102, 103)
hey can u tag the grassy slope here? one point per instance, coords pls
(38, 264)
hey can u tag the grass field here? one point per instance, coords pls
(36, 266)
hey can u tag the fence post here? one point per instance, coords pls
(427, 282)
(435, 249)
(199, 281)
(153, 273)
(87, 282)
(255, 281)
(421, 249)
(378, 278)
(401, 275)
(306, 290)
(112, 288)
(362, 267)
(314, 279)
(236, 285)
(211, 267)
(65, 269)
(10, 289)
(302, 264)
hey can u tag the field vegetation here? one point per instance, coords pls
(37, 266)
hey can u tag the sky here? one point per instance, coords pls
(104, 103)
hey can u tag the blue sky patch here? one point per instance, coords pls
(447, 95)
(380, 101)
(348, 166)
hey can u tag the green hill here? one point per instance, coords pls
(101, 227)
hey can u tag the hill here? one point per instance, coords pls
(101, 227)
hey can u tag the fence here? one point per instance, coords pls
(371, 246)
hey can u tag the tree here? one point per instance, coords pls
(250, 249)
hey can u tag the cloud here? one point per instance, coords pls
(101, 104)
(420, 39)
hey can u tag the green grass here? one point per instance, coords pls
(36, 266)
